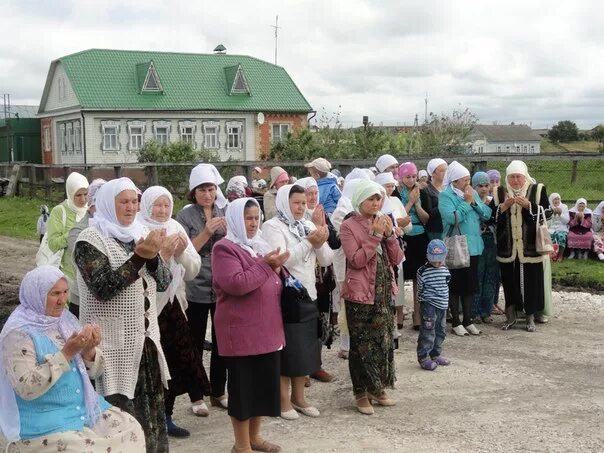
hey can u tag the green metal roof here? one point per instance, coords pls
(110, 79)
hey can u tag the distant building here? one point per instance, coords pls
(490, 139)
(20, 134)
(101, 106)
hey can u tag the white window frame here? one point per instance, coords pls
(211, 136)
(499, 148)
(234, 133)
(518, 149)
(163, 125)
(187, 132)
(525, 148)
(46, 138)
(69, 137)
(61, 138)
(77, 137)
(136, 140)
(508, 149)
(281, 135)
(532, 149)
(110, 129)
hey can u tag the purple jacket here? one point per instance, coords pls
(360, 249)
(248, 302)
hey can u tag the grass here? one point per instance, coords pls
(588, 274)
(579, 146)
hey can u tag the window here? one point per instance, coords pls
(110, 138)
(187, 132)
(161, 135)
(280, 132)
(498, 148)
(525, 148)
(136, 138)
(517, 148)
(46, 138)
(210, 134)
(77, 137)
(234, 134)
(69, 137)
(507, 149)
(532, 148)
(61, 138)
(61, 89)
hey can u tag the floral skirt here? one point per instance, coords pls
(116, 431)
(559, 237)
(371, 357)
(599, 242)
(580, 241)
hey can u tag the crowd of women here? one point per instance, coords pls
(141, 285)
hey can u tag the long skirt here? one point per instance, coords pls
(253, 386)
(148, 403)
(559, 237)
(371, 358)
(301, 355)
(599, 242)
(464, 282)
(116, 432)
(488, 279)
(581, 241)
(184, 361)
(523, 286)
(415, 254)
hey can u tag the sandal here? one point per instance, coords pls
(201, 409)
(266, 447)
(366, 408)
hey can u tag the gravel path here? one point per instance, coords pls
(504, 391)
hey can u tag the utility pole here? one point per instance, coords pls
(276, 27)
(426, 109)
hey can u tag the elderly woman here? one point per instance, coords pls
(515, 208)
(580, 237)
(387, 163)
(279, 178)
(64, 216)
(204, 224)
(237, 187)
(598, 230)
(416, 241)
(371, 249)
(183, 357)
(460, 204)
(437, 168)
(249, 328)
(488, 268)
(307, 245)
(120, 273)
(46, 362)
(558, 225)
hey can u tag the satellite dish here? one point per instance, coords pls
(260, 118)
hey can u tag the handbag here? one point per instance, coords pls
(543, 240)
(45, 256)
(296, 304)
(458, 254)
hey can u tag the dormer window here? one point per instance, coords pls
(147, 78)
(236, 80)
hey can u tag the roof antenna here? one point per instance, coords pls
(276, 27)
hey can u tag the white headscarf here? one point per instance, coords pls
(307, 183)
(385, 161)
(421, 174)
(599, 211)
(75, 182)
(208, 174)
(285, 215)
(370, 174)
(30, 316)
(105, 218)
(434, 164)
(235, 218)
(386, 178)
(454, 172)
(517, 167)
(576, 206)
(552, 197)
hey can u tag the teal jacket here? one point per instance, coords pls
(468, 216)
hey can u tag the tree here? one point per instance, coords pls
(597, 134)
(564, 131)
(174, 178)
(446, 134)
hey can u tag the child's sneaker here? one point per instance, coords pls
(441, 361)
(428, 364)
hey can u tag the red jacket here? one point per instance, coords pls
(248, 302)
(360, 249)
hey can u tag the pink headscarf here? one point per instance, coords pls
(406, 169)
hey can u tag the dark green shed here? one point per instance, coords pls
(20, 140)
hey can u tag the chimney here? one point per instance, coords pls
(220, 50)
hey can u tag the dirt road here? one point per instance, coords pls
(504, 391)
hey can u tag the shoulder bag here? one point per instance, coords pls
(543, 240)
(458, 254)
(47, 256)
(296, 304)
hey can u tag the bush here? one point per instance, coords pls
(564, 131)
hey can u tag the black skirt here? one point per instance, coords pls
(464, 282)
(415, 254)
(301, 355)
(253, 386)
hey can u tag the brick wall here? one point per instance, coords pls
(265, 131)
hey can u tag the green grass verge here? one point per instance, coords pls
(580, 146)
(582, 274)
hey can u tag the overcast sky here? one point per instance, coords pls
(533, 62)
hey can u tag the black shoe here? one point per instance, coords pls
(176, 431)
(207, 345)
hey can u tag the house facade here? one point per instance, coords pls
(102, 106)
(503, 139)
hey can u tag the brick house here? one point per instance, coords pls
(101, 106)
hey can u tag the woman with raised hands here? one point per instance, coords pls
(46, 361)
(120, 273)
(558, 225)
(184, 361)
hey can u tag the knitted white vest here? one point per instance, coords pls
(122, 322)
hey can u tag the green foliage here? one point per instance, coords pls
(446, 134)
(174, 178)
(598, 135)
(564, 131)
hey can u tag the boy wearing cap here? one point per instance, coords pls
(329, 193)
(433, 297)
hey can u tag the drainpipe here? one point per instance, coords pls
(83, 144)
